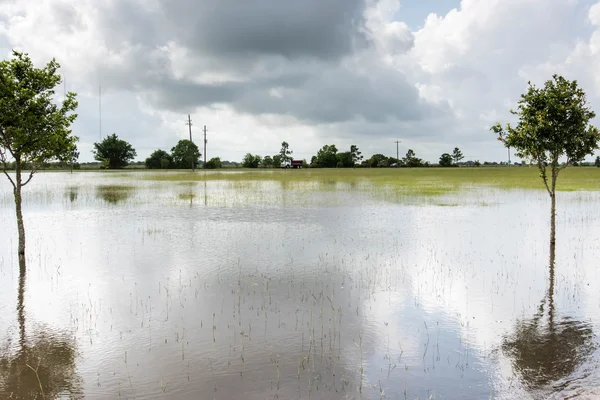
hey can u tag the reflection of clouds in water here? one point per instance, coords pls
(465, 270)
(487, 295)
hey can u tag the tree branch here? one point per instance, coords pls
(9, 178)
(33, 171)
(5, 167)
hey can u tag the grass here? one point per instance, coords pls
(114, 193)
(425, 181)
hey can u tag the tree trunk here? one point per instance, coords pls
(17, 193)
(551, 286)
(20, 301)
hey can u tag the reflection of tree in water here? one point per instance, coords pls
(114, 193)
(545, 350)
(41, 365)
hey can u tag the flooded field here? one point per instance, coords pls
(139, 288)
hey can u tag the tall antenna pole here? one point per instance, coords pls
(189, 123)
(205, 146)
(397, 152)
(100, 111)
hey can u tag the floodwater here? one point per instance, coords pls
(264, 290)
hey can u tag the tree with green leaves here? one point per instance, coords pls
(597, 162)
(251, 161)
(277, 160)
(113, 153)
(445, 160)
(327, 156)
(33, 130)
(344, 159)
(267, 162)
(457, 155)
(159, 159)
(214, 163)
(376, 159)
(411, 160)
(185, 154)
(285, 152)
(554, 122)
(356, 155)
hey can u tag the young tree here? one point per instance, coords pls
(554, 122)
(159, 159)
(457, 155)
(445, 160)
(185, 154)
(113, 153)
(285, 152)
(33, 130)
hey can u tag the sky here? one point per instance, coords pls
(433, 74)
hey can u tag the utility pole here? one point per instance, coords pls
(397, 152)
(204, 146)
(509, 156)
(189, 123)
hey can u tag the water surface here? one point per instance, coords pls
(241, 289)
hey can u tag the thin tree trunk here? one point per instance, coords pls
(551, 286)
(20, 301)
(20, 226)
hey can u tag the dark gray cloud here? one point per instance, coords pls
(323, 29)
(125, 23)
(321, 95)
(338, 94)
(311, 60)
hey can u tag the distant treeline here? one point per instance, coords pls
(186, 155)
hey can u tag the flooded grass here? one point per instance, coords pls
(428, 180)
(335, 287)
(114, 193)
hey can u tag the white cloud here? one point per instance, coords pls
(363, 80)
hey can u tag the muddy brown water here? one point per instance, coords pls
(250, 290)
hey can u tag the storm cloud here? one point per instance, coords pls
(310, 72)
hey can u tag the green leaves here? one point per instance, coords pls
(554, 122)
(285, 151)
(33, 130)
(114, 153)
(185, 154)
